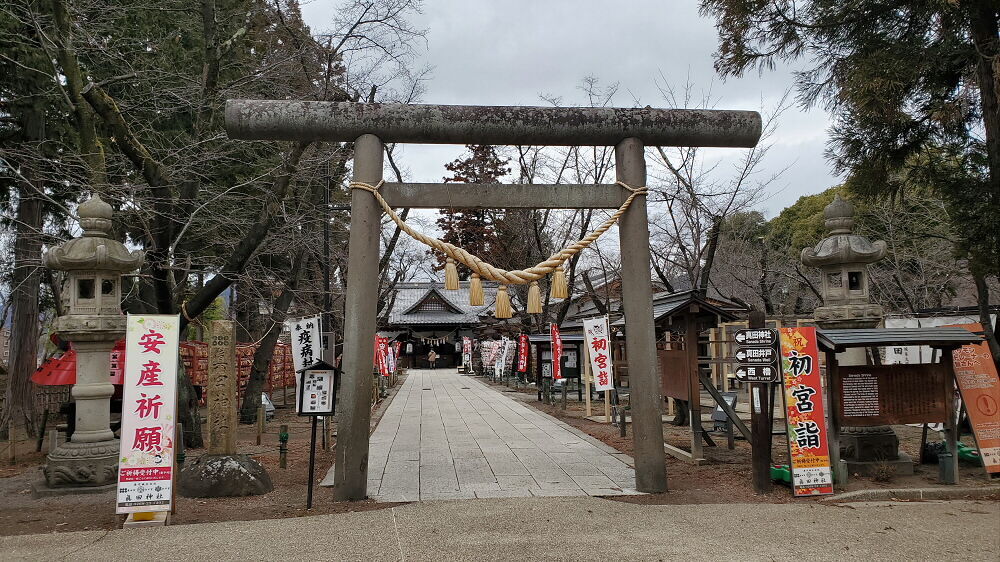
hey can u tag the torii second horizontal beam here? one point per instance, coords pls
(494, 125)
(503, 196)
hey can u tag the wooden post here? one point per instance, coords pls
(833, 387)
(760, 425)
(694, 383)
(951, 426)
(647, 421)
(607, 406)
(283, 446)
(261, 413)
(351, 467)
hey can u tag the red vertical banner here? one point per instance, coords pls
(381, 351)
(557, 348)
(522, 353)
(809, 448)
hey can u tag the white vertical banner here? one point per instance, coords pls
(598, 341)
(306, 343)
(149, 414)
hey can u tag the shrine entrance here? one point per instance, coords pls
(371, 125)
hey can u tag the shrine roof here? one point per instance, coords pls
(455, 309)
(838, 340)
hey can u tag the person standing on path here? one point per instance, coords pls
(432, 358)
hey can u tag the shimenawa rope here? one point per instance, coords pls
(488, 271)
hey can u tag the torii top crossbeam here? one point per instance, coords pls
(496, 125)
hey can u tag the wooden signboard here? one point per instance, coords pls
(892, 394)
(674, 381)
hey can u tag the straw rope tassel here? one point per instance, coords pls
(503, 309)
(493, 273)
(559, 289)
(476, 297)
(450, 275)
(534, 299)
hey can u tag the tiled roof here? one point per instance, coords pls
(408, 295)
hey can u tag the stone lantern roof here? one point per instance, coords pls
(95, 250)
(842, 246)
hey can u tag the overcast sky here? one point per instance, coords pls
(510, 52)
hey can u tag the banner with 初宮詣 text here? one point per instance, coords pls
(808, 447)
(149, 414)
(597, 340)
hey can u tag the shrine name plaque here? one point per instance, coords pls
(892, 394)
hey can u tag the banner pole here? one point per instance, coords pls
(587, 374)
(312, 464)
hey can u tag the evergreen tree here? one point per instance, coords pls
(473, 229)
(912, 86)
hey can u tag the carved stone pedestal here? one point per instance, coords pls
(869, 450)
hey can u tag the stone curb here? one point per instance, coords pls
(915, 494)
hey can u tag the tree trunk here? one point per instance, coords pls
(19, 403)
(983, 300)
(713, 247)
(262, 357)
(985, 38)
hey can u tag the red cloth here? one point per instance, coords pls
(62, 370)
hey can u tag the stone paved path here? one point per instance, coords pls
(447, 436)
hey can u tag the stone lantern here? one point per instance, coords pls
(843, 258)
(92, 323)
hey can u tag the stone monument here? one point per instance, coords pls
(92, 323)
(221, 472)
(843, 258)
(222, 389)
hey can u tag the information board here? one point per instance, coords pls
(317, 388)
(892, 394)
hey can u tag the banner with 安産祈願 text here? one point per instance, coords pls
(149, 414)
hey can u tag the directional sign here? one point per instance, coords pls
(757, 355)
(757, 373)
(765, 337)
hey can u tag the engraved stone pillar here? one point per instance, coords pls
(222, 388)
(93, 322)
(843, 257)
(222, 472)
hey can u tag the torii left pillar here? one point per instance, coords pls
(354, 417)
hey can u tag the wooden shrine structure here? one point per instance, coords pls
(877, 394)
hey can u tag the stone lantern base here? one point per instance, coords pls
(869, 450)
(80, 468)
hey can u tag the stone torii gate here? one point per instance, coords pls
(371, 125)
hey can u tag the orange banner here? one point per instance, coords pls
(980, 387)
(807, 436)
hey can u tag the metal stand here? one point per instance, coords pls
(312, 464)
